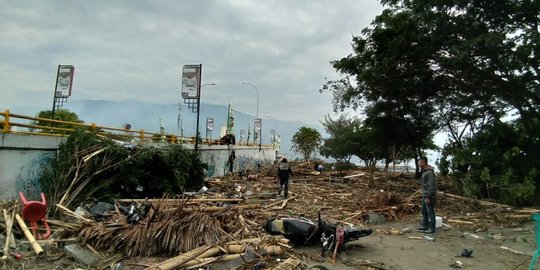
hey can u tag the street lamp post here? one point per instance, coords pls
(257, 114)
(198, 110)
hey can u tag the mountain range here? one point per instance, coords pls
(150, 117)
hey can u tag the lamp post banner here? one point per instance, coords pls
(210, 124)
(191, 75)
(258, 124)
(64, 81)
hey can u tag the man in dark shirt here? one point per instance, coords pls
(429, 190)
(284, 173)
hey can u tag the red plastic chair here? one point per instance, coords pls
(33, 212)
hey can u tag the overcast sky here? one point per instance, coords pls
(135, 50)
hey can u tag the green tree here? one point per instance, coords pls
(391, 78)
(341, 131)
(455, 65)
(391, 135)
(505, 172)
(91, 166)
(306, 141)
(62, 115)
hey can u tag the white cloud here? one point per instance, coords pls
(135, 50)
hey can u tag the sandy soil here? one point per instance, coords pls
(393, 252)
(401, 252)
(383, 251)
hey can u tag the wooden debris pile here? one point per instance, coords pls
(392, 204)
(170, 234)
(170, 227)
(225, 223)
(242, 251)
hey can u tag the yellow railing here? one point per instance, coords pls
(46, 126)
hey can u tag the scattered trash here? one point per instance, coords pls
(83, 254)
(375, 218)
(429, 238)
(203, 189)
(466, 253)
(406, 230)
(17, 255)
(473, 236)
(456, 264)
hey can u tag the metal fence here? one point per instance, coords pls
(21, 124)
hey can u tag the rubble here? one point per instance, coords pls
(224, 224)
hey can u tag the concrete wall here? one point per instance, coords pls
(22, 156)
(217, 156)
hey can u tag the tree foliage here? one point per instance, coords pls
(341, 131)
(507, 172)
(62, 115)
(458, 66)
(88, 166)
(306, 141)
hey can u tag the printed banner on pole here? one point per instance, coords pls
(258, 124)
(230, 119)
(210, 124)
(64, 81)
(191, 76)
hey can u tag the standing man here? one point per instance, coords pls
(230, 162)
(284, 173)
(429, 190)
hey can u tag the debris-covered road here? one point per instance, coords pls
(221, 227)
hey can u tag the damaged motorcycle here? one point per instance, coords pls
(306, 232)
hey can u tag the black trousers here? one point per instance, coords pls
(284, 183)
(428, 212)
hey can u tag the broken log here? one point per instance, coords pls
(530, 211)
(288, 264)
(514, 251)
(353, 216)
(216, 208)
(235, 249)
(278, 202)
(73, 214)
(354, 175)
(188, 201)
(180, 259)
(199, 262)
(460, 221)
(273, 250)
(37, 248)
(9, 224)
(518, 216)
(484, 203)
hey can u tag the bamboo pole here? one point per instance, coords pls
(9, 224)
(216, 208)
(182, 200)
(180, 259)
(73, 214)
(204, 261)
(235, 249)
(282, 201)
(484, 203)
(37, 248)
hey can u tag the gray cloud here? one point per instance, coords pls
(135, 50)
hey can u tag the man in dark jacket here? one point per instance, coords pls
(429, 190)
(284, 173)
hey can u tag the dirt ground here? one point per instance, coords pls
(483, 228)
(400, 252)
